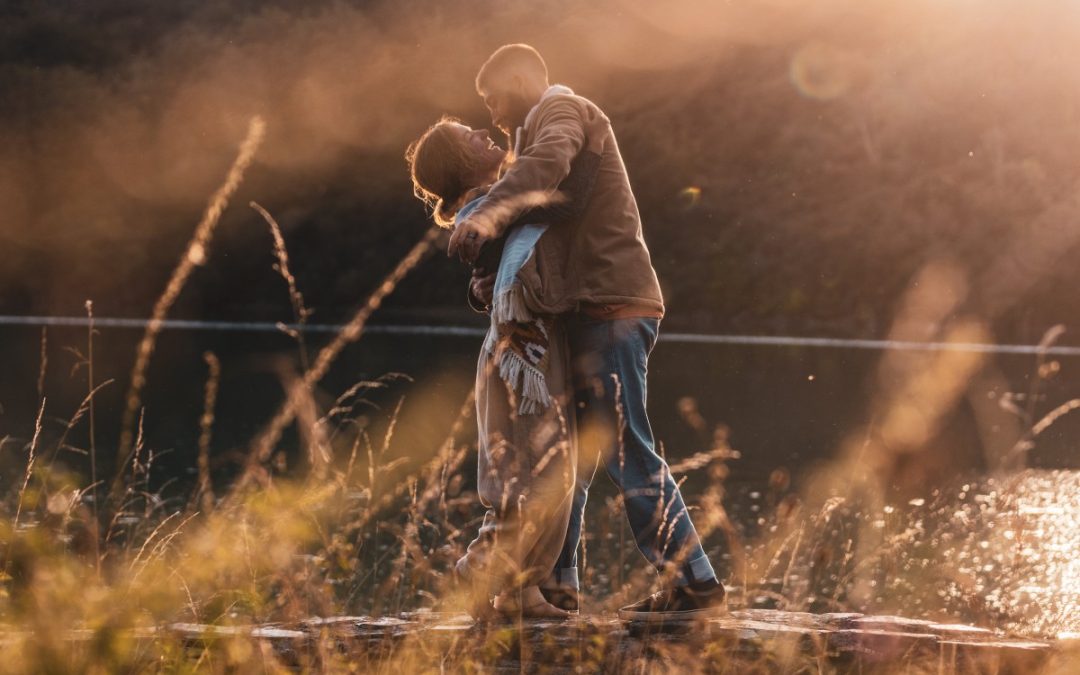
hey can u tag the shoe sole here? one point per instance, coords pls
(666, 617)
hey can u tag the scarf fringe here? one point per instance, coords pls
(535, 397)
(510, 305)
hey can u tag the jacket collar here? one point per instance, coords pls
(553, 90)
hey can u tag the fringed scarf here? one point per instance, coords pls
(518, 340)
(522, 352)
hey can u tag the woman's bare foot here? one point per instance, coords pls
(528, 603)
(482, 612)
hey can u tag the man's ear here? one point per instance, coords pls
(519, 85)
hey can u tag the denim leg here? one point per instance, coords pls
(610, 359)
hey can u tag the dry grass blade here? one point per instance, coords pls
(446, 460)
(44, 361)
(702, 459)
(206, 424)
(194, 255)
(91, 389)
(29, 464)
(300, 312)
(83, 408)
(1054, 415)
(1051, 336)
(153, 534)
(266, 441)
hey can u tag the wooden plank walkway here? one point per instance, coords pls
(766, 640)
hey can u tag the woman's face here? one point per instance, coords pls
(487, 156)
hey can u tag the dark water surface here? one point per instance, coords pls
(967, 543)
(784, 406)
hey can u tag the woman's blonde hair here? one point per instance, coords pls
(438, 162)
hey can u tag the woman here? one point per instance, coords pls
(527, 455)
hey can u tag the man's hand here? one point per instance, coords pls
(468, 237)
(482, 286)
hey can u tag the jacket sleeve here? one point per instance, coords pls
(541, 166)
(574, 194)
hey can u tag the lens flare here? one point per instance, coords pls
(822, 72)
(690, 196)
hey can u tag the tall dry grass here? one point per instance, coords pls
(166, 581)
(194, 255)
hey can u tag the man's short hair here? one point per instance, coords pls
(512, 59)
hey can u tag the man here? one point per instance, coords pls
(597, 274)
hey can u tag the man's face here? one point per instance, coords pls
(505, 100)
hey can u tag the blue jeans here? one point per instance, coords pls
(609, 363)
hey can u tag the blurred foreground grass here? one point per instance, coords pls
(94, 576)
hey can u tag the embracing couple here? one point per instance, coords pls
(554, 237)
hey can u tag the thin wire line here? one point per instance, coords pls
(471, 331)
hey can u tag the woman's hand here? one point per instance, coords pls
(468, 236)
(482, 286)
